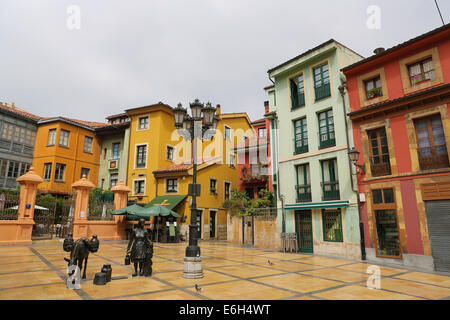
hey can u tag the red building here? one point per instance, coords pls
(254, 159)
(399, 100)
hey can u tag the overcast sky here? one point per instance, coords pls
(135, 53)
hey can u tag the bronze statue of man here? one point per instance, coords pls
(140, 250)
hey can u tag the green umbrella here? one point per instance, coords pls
(133, 209)
(159, 210)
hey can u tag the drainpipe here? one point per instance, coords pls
(342, 90)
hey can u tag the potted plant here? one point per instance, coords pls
(375, 92)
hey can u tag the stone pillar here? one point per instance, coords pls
(120, 201)
(80, 225)
(19, 231)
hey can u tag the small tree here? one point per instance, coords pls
(240, 205)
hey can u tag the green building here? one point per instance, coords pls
(311, 136)
(114, 154)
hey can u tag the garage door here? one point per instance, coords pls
(438, 219)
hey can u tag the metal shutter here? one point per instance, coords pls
(438, 218)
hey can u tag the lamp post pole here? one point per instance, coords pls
(193, 125)
(353, 154)
(193, 250)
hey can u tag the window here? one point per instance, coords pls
(84, 171)
(59, 171)
(141, 156)
(143, 123)
(139, 186)
(64, 138)
(330, 183)
(47, 171)
(232, 160)
(373, 88)
(379, 153)
(326, 129)
(116, 150)
(51, 137)
(297, 92)
(261, 133)
(104, 153)
(432, 148)
(227, 190)
(169, 153)
(422, 71)
(3, 166)
(386, 222)
(322, 82)
(87, 144)
(113, 179)
(213, 186)
(7, 131)
(24, 168)
(301, 136)
(227, 133)
(13, 169)
(332, 225)
(172, 185)
(303, 183)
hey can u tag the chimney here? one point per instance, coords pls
(218, 109)
(378, 50)
(266, 107)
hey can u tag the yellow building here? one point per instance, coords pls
(160, 168)
(65, 150)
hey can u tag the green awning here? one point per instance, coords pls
(127, 210)
(168, 202)
(317, 205)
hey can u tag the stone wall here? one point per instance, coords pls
(266, 235)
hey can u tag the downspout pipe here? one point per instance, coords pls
(342, 91)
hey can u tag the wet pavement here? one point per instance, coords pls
(230, 272)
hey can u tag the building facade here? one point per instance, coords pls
(115, 139)
(17, 137)
(160, 167)
(311, 135)
(65, 150)
(400, 108)
(254, 159)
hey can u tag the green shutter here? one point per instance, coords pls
(322, 87)
(300, 136)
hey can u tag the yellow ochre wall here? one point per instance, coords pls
(157, 137)
(72, 156)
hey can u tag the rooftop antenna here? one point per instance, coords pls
(439, 10)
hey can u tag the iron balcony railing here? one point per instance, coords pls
(323, 91)
(380, 169)
(433, 158)
(304, 193)
(330, 190)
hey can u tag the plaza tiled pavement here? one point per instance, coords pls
(231, 272)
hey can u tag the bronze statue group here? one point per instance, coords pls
(139, 251)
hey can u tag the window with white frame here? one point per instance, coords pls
(87, 144)
(51, 137)
(169, 153)
(60, 169)
(172, 185)
(64, 138)
(143, 123)
(47, 171)
(141, 156)
(139, 187)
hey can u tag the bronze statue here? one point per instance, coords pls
(140, 250)
(79, 250)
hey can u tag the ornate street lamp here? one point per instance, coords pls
(206, 115)
(353, 154)
(179, 113)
